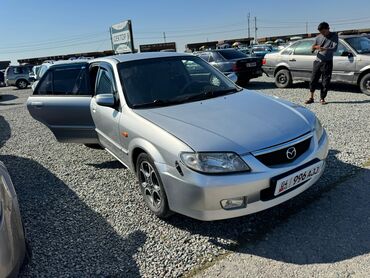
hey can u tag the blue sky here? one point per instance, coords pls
(50, 27)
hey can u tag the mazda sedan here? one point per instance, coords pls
(199, 144)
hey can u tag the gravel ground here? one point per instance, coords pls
(84, 215)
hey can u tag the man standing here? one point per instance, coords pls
(326, 43)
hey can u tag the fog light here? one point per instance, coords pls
(234, 203)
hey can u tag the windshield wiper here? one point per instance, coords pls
(154, 103)
(208, 94)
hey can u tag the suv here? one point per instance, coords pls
(351, 63)
(18, 76)
(233, 61)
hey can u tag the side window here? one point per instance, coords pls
(45, 87)
(340, 50)
(289, 50)
(70, 81)
(304, 48)
(17, 70)
(211, 58)
(104, 83)
(204, 56)
(193, 68)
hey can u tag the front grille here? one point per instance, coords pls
(280, 156)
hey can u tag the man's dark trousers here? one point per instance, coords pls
(324, 70)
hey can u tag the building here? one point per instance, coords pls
(40, 60)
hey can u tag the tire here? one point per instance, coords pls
(94, 146)
(22, 84)
(151, 186)
(283, 79)
(365, 84)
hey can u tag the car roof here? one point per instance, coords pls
(140, 56)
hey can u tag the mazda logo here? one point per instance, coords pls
(291, 153)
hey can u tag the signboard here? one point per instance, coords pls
(121, 37)
(158, 47)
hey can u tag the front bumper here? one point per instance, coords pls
(198, 196)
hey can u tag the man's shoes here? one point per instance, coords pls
(309, 101)
(323, 102)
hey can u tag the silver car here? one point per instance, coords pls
(12, 240)
(351, 63)
(198, 144)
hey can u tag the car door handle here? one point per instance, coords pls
(292, 60)
(37, 104)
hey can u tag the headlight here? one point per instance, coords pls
(214, 163)
(318, 129)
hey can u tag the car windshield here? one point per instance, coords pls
(231, 54)
(360, 44)
(172, 80)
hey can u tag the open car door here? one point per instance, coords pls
(61, 101)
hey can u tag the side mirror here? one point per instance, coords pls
(105, 100)
(347, 54)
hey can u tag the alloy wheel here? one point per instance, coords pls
(150, 185)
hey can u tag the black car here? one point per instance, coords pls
(2, 81)
(233, 61)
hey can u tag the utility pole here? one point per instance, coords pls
(306, 27)
(164, 37)
(249, 25)
(255, 30)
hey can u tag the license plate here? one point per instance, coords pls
(297, 178)
(249, 65)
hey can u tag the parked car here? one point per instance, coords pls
(18, 76)
(34, 73)
(351, 63)
(233, 61)
(199, 144)
(13, 249)
(2, 80)
(261, 50)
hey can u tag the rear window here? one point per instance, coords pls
(232, 54)
(64, 81)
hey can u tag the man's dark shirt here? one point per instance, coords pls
(330, 43)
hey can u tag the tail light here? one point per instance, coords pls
(236, 67)
(264, 61)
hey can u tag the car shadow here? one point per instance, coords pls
(301, 230)
(114, 164)
(7, 98)
(65, 234)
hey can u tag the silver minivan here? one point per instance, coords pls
(351, 63)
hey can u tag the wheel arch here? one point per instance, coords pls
(362, 74)
(138, 146)
(280, 67)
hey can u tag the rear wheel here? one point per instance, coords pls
(365, 84)
(22, 84)
(283, 78)
(151, 186)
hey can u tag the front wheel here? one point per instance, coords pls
(283, 78)
(365, 84)
(151, 186)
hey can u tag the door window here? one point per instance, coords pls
(304, 48)
(104, 84)
(289, 50)
(340, 50)
(64, 81)
(46, 85)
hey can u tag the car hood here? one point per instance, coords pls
(241, 122)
